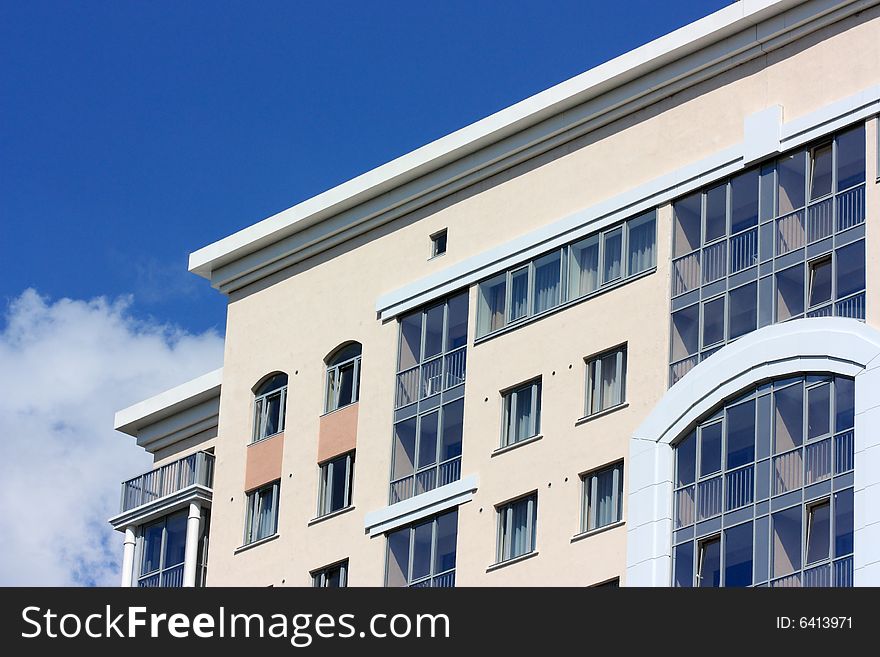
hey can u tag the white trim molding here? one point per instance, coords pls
(421, 506)
(163, 506)
(818, 345)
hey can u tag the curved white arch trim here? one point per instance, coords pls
(829, 344)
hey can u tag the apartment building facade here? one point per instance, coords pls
(621, 333)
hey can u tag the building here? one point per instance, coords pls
(617, 333)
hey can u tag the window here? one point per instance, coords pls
(709, 562)
(427, 451)
(746, 511)
(423, 555)
(820, 171)
(606, 381)
(820, 282)
(567, 273)
(603, 497)
(331, 577)
(162, 552)
(335, 487)
(522, 413)
(517, 525)
(261, 520)
(795, 215)
(270, 399)
(438, 243)
(818, 540)
(343, 377)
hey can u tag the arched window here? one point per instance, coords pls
(343, 377)
(270, 399)
(764, 488)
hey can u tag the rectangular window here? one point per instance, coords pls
(687, 213)
(709, 563)
(685, 332)
(790, 177)
(331, 577)
(744, 201)
(790, 293)
(603, 497)
(261, 519)
(786, 541)
(738, 544)
(851, 158)
(583, 267)
(162, 548)
(517, 526)
(710, 449)
(640, 244)
(818, 544)
(684, 565)
(335, 488)
(522, 413)
(820, 282)
(492, 309)
(548, 282)
(423, 555)
(519, 293)
(438, 243)
(743, 311)
(713, 322)
(850, 261)
(606, 381)
(716, 213)
(612, 242)
(820, 171)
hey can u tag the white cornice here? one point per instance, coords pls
(703, 49)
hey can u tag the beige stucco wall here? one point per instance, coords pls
(290, 321)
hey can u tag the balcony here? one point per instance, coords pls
(192, 470)
(443, 580)
(426, 479)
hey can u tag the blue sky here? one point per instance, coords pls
(132, 133)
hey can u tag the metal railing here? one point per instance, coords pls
(788, 471)
(789, 232)
(168, 578)
(743, 250)
(852, 307)
(196, 468)
(685, 273)
(682, 367)
(817, 461)
(850, 207)
(431, 377)
(685, 507)
(740, 486)
(820, 220)
(714, 262)
(426, 479)
(443, 580)
(843, 452)
(709, 498)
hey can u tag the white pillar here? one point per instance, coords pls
(128, 557)
(191, 554)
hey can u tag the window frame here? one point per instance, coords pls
(261, 413)
(326, 475)
(335, 372)
(594, 378)
(320, 577)
(589, 492)
(434, 521)
(509, 402)
(442, 234)
(253, 500)
(504, 514)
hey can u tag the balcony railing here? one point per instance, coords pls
(443, 580)
(168, 578)
(426, 479)
(196, 468)
(431, 377)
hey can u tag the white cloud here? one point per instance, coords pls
(66, 367)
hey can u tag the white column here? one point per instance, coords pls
(128, 557)
(191, 554)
